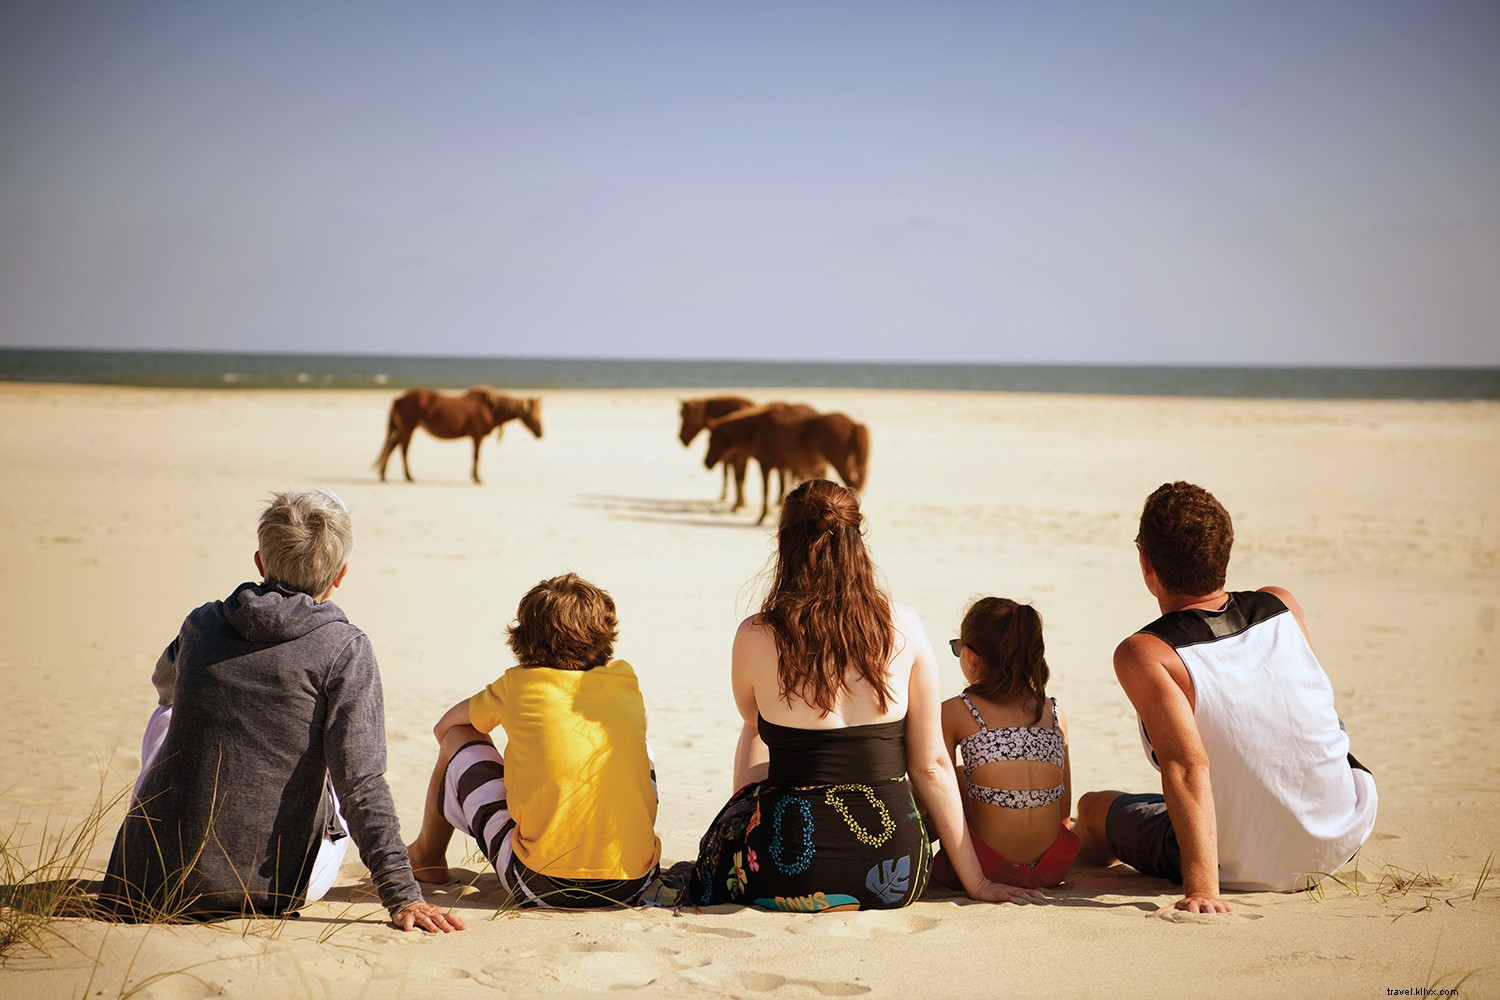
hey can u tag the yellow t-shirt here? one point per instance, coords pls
(577, 772)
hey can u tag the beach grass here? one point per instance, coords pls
(46, 876)
(1484, 876)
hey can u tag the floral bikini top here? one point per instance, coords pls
(1038, 743)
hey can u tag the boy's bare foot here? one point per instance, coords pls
(428, 867)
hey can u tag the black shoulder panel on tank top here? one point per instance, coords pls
(1195, 627)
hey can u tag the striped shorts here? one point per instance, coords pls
(474, 803)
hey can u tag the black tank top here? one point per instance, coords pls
(876, 752)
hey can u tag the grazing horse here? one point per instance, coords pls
(696, 413)
(845, 443)
(770, 434)
(472, 415)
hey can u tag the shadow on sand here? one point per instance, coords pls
(668, 510)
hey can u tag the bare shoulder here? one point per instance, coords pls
(953, 709)
(1145, 663)
(1138, 650)
(905, 616)
(754, 642)
(956, 721)
(754, 626)
(908, 625)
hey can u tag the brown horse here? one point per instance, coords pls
(845, 443)
(696, 413)
(472, 415)
(770, 434)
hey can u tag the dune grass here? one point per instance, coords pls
(46, 875)
(1399, 882)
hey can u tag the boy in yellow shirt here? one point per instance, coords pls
(567, 816)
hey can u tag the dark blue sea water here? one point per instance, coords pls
(261, 371)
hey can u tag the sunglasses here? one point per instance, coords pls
(956, 645)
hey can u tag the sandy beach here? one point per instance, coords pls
(126, 508)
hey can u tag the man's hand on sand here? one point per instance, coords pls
(430, 918)
(1203, 904)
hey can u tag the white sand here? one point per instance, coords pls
(125, 508)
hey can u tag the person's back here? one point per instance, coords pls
(577, 770)
(1014, 745)
(267, 699)
(836, 689)
(1289, 806)
(567, 816)
(1258, 788)
(210, 834)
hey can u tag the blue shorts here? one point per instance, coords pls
(1140, 833)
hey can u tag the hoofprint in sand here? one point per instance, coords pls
(125, 508)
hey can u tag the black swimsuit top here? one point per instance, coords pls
(876, 752)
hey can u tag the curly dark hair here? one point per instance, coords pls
(565, 622)
(1186, 535)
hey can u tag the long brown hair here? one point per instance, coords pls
(825, 610)
(1007, 638)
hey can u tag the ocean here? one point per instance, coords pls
(291, 371)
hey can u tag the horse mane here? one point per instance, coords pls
(506, 407)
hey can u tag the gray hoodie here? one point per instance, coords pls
(272, 695)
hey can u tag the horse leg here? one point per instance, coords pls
(741, 464)
(405, 443)
(724, 490)
(386, 449)
(765, 491)
(474, 472)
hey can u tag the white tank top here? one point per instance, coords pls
(1289, 807)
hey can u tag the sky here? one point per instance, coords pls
(1188, 182)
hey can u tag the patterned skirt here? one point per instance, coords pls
(815, 848)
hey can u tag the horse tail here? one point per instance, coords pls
(391, 433)
(395, 425)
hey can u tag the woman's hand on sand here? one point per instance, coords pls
(999, 892)
(430, 918)
(1203, 904)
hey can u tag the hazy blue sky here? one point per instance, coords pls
(1266, 182)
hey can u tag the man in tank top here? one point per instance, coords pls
(1259, 790)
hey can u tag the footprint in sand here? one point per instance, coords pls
(732, 933)
(591, 970)
(725, 979)
(864, 926)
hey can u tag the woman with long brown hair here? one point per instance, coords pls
(838, 689)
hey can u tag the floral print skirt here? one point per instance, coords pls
(815, 848)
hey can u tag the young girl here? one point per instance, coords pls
(1016, 784)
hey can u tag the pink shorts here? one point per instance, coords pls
(1048, 870)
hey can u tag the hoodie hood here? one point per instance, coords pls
(269, 612)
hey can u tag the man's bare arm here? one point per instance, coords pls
(1168, 717)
